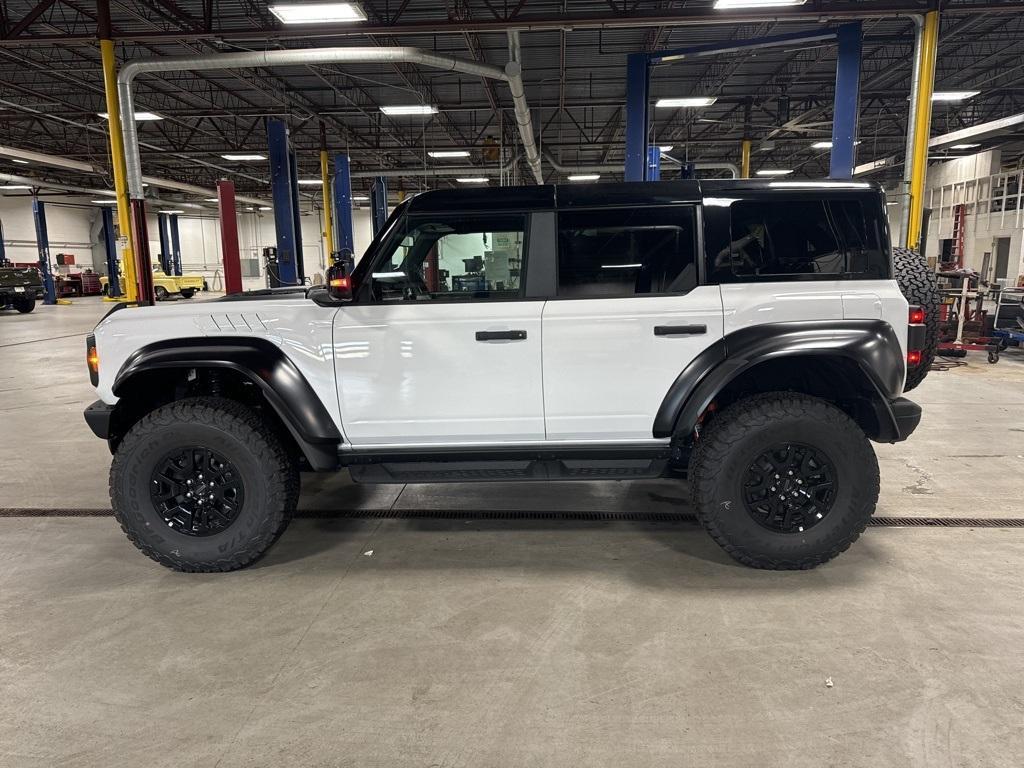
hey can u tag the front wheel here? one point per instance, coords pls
(203, 485)
(160, 292)
(783, 481)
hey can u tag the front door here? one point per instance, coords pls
(628, 318)
(440, 347)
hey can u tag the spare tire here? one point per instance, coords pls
(919, 286)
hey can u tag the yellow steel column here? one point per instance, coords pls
(745, 159)
(128, 277)
(922, 125)
(328, 208)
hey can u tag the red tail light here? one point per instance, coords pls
(914, 357)
(916, 316)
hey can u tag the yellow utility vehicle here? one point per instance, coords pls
(164, 286)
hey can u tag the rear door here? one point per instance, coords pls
(440, 346)
(628, 316)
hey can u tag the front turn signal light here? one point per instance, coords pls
(92, 360)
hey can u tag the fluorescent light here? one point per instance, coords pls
(14, 186)
(310, 182)
(473, 180)
(361, 199)
(965, 146)
(212, 199)
(893, 202)
(621, 266)
(397, 110)
(244, 157)
(666, 148)
(774, 172)
(312, 13)
(171, 210)
(104, 202)
(953, 95)
(449, 153)
(585, 177)
(266, 208)
(687, 101)
(138, 116)
(19, 162)
(826, 144)
(729, 4)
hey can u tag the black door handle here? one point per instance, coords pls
(679, 330)
(500, 335)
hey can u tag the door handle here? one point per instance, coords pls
(500, 335)
(679, 330)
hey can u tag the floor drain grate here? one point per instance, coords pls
(641, 517)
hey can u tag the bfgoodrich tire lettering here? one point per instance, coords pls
(233, 431)
(743, 432)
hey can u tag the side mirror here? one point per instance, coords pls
(339, 282)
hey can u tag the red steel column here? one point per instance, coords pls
(229, 236)
(143, 262)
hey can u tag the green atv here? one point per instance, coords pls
(19, 288)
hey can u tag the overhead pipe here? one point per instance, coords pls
(448, 170)
(732, 168)
(908, 165)
(512, 75)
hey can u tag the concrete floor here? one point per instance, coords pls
(507, 642)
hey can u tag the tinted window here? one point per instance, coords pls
(625, 252)
(801, 239)
(452, 257)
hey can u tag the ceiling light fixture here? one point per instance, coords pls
(585, 177)
(723, 5)
(399, 110)
(449, 153)
(686, 101)
(361, 199)
(171, 210)
(826, 144)
(317, 13)
(266, 208)
(104, 202)
(953, 95)
(253, 156)
(775, 172)
(138, 116)
(473, 180)
(666, 148)
(965, 146)
(15, 186)
(311, 182)
(19, 162)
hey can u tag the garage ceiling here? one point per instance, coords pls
(51, 86)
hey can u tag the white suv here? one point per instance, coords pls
(748, 336)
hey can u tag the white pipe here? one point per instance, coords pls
(306, 57)
(449, 170)
(908, 164)
(615, 168)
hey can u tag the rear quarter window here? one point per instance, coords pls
(801, 239)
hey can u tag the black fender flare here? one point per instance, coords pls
(871, 344)
(264, 364)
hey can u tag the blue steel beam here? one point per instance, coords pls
(343, 232)
(653, 163)
(638, 81)
(300, 265)
(43, 244)
(379, 202)
(165, 245)
(175, 245)
(284, 213)
(847, 101)
(110, 249)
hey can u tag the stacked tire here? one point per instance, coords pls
(919, 286)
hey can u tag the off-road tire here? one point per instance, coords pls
(919, 286)
(25, 305)
(269, 475)
(188, 293)
(738, 435)
(160, 292)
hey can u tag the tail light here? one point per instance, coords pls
(92, 359)
(915, 335)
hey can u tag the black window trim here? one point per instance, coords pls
(698, 252)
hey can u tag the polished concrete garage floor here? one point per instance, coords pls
(374, 635)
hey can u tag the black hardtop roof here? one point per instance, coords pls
(620, 193)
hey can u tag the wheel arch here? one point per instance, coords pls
(855, 364)
(251, 370)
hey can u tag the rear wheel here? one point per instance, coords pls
(25, 305)
(783, 481)
(188, 293)
(919, 286)
(203, 485)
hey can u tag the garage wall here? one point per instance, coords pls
(69, 229)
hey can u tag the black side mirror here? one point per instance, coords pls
(339, 282)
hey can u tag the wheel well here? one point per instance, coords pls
(835, 379)
(149, 389)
